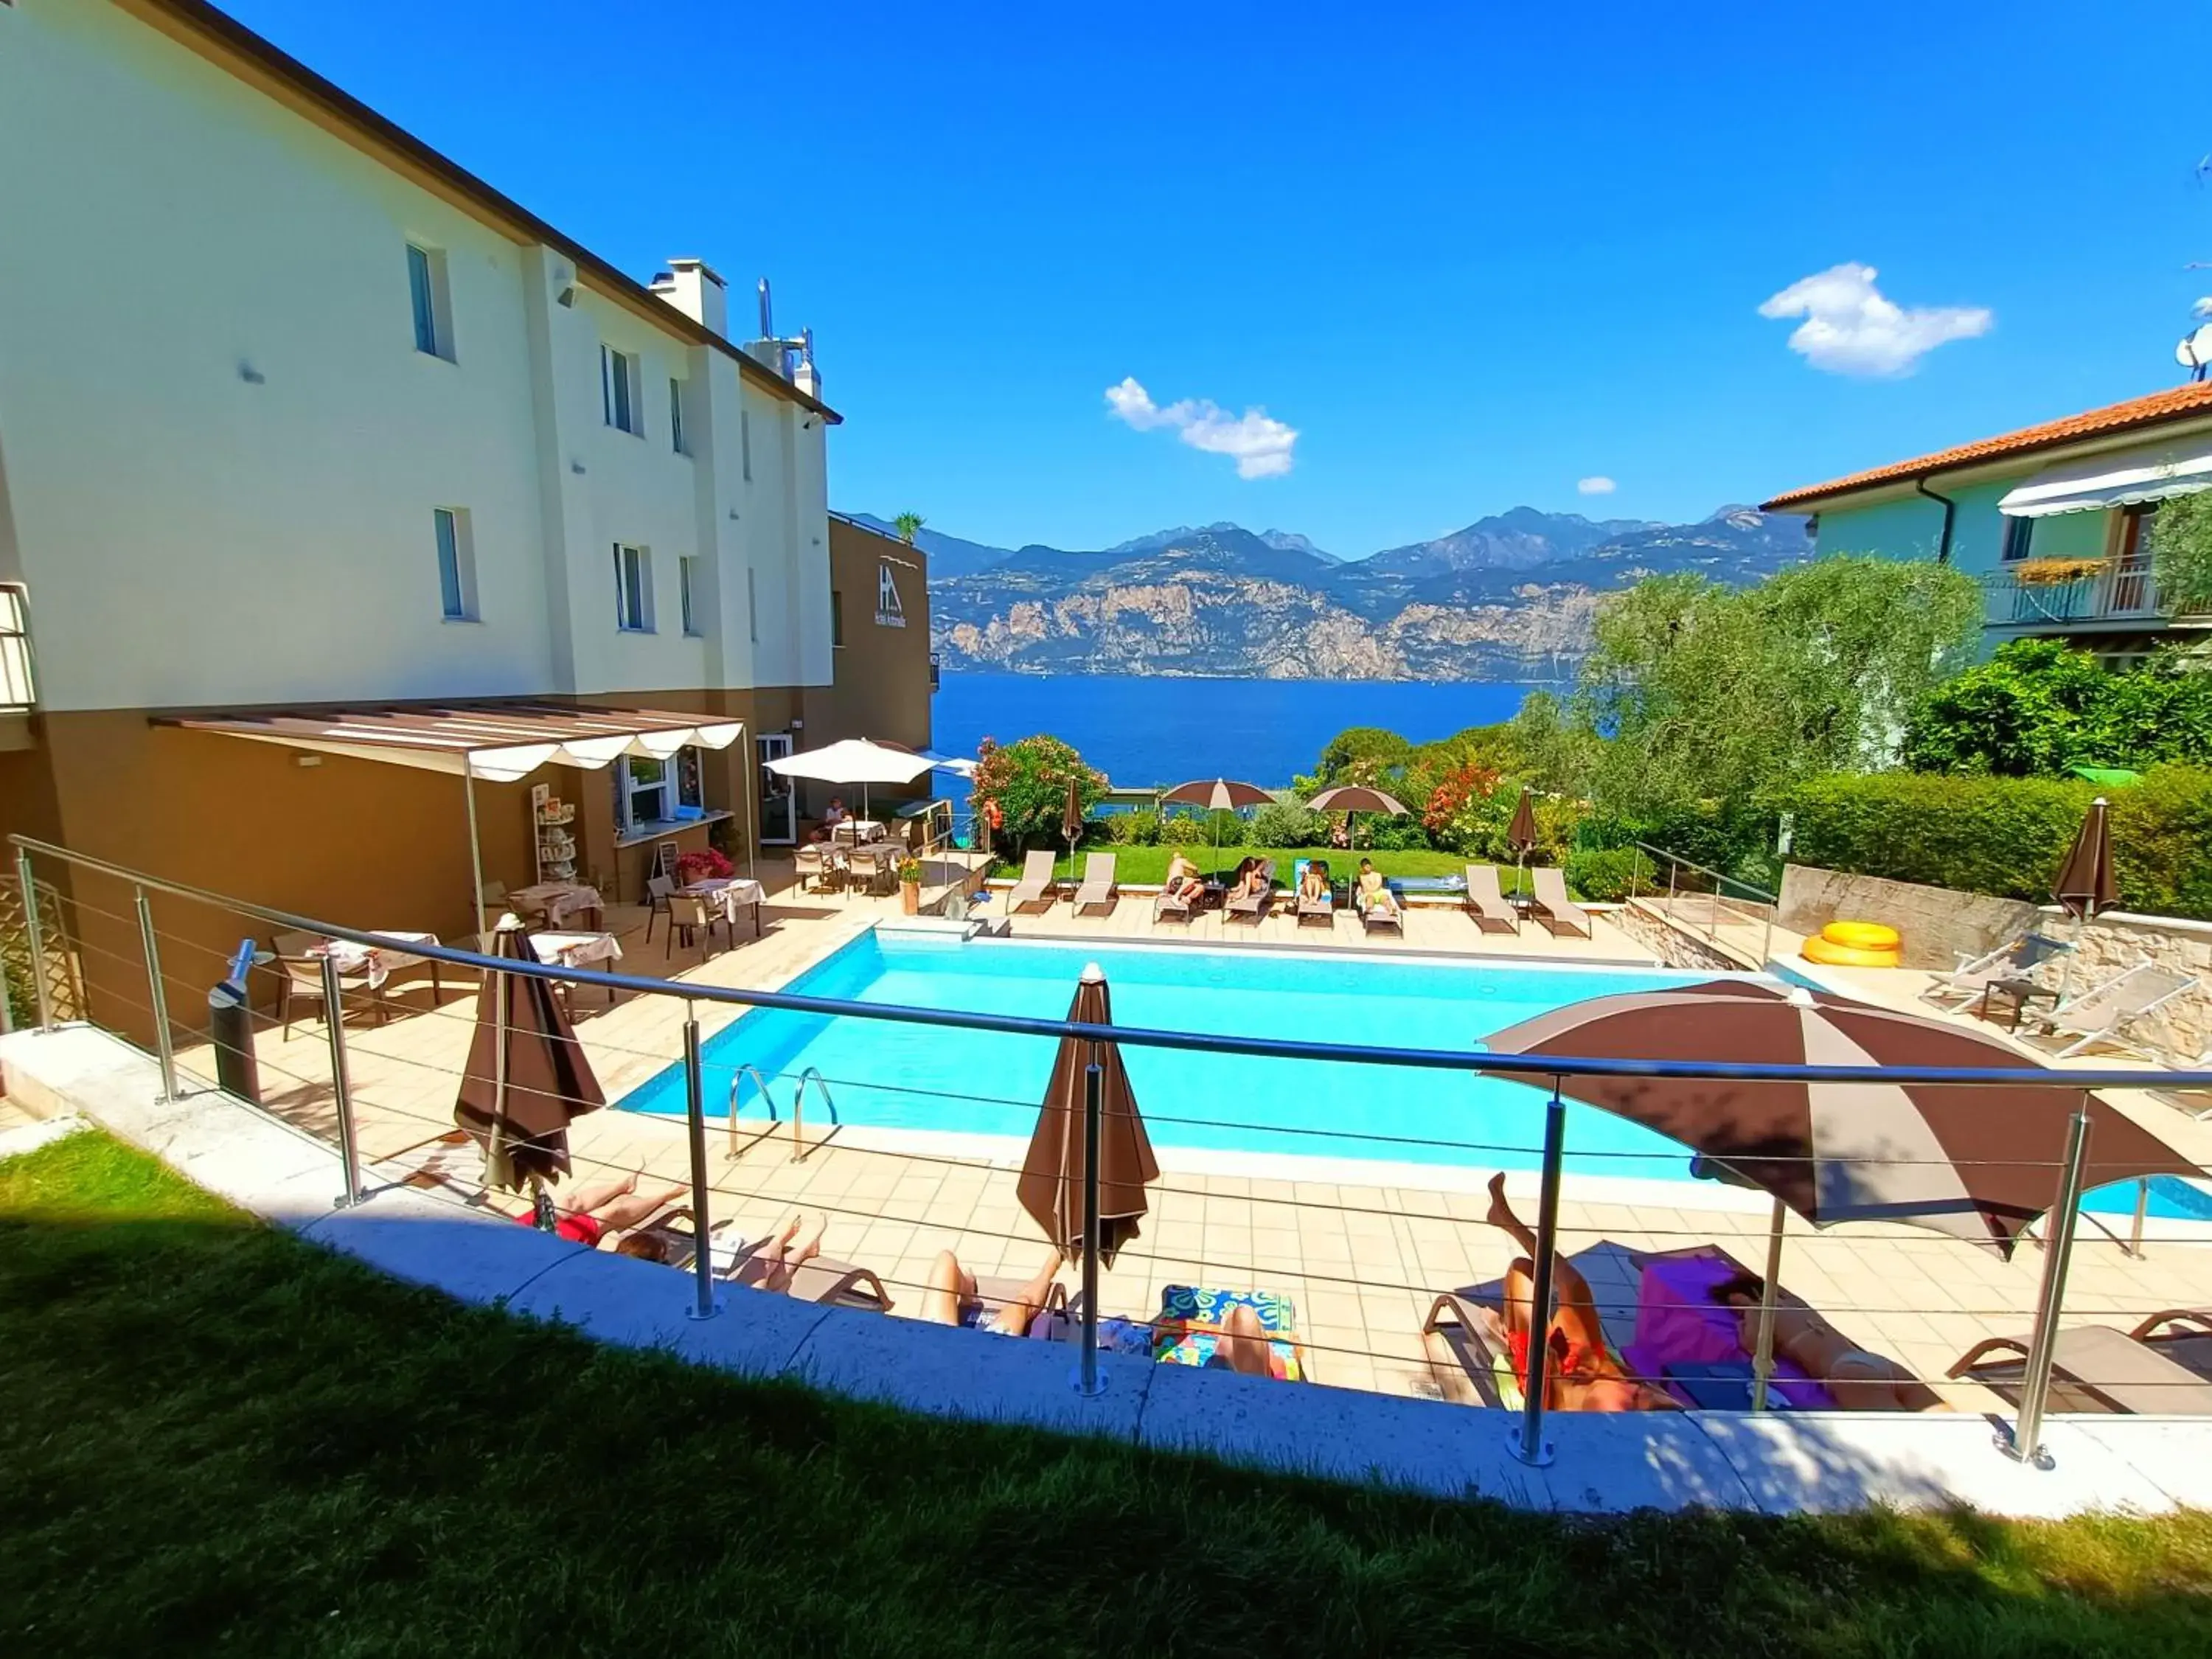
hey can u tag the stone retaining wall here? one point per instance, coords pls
(1669, 943)
(2116, 942)
(1936, 925)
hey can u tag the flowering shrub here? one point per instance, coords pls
(1028, 783)
(706, 865)
(1462, 807)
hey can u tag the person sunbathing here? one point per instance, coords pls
(1375, 894)
(1580, 1373)
(1240, 1345)
(1183, 877)
(1250, 879)
(1314, 884)
(1859, 1381)
(598, 1211)
(768, 1266)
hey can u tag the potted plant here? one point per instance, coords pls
(2056, 573)
(909, 876)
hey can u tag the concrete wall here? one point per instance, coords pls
(1669, 944)
(1936, 925)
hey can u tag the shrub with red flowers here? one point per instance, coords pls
(706, 865)
(1461, 806)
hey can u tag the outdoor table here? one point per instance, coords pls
(726, 896)
(856, 832)
(376, 964)
(558, 950)
(2020, 992)
(562, 902)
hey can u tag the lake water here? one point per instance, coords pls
(1142, 731)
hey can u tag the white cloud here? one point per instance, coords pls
(1600, 485)
(1851, 328)
(1261, 446)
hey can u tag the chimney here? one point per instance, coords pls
(692, 286)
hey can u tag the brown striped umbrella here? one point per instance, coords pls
(1218, 794)
(1977, 1162)
(1350, 797)
(1052, 1178)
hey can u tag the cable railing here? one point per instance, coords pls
(1700, 900)
(353, 1080)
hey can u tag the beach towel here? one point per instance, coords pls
(1175, 1342)
(1679, 1327)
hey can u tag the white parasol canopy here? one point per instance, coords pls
(852, 760)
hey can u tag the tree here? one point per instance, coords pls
(1028, 781)
(1364, 754)
(2181, 550)
(1706, 692)
(2039, 708)
(908, 525)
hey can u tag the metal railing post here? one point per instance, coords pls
(2025, 1441)
(341, 1085)
(1088, 1382)
(694, 1122)
(159, 1000)
(2142, 1209)
(7, 1005)
(1528, 1443)
(36, 937)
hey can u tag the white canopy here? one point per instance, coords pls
(952, 763)
(854, 760)
(2117, 478)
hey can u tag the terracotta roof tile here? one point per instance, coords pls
(2173, 404)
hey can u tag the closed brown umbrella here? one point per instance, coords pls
(2085, 887)
(1978, 1162)
(1521, 836)
(1052, 1180)
(527, 1079)
(1356, 798)
(1071, 814)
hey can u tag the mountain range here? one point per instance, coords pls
(1510, 597)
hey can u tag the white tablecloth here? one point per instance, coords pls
(727, 894)
(854, 831)
(561, 900)
(576, 949)
(377, 965)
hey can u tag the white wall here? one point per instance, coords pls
(223, 449)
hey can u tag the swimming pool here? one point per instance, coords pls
(919, 1077)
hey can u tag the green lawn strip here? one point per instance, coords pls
(218, 1439)
(1147, 867)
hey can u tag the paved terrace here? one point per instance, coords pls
(1362, 1248)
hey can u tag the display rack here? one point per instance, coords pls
(550, 819)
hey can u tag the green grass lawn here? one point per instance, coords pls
(1148, 865)
(216, 1439)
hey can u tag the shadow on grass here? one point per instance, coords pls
(218, 1437)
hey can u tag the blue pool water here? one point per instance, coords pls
(918, 1077)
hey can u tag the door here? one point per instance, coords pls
(778, 806)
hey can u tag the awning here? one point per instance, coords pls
(2117, 478)
(497, 742)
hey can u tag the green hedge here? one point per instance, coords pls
(2008, 835)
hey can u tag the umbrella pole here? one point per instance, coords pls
(1529, 1443)
(475, 853)
(2025, 1441)
(695, 1118)
(1762, 1363)
(1088, 1382)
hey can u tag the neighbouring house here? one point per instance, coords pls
(2056, 521)
(341, 496)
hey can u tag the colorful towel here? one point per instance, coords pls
(1177, 1339)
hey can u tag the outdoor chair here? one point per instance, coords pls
(1974, 976)
(1486, 903)
(302, 981)
(1098, 890)
(2106, 1012)
(687, 915)
(1559, 913)
(1253, 906)
(1176, 906)
(1036, 885)
(658, 890)
(2134, 1371)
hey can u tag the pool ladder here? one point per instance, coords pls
(799, 1150)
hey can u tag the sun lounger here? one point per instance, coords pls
(1253, 906)
(1486, 903)
(1036, 885)
(1975, 974)
(2105, 1012)
(1098, 890)
(1187, 1332)
(2132, 1371)
(1321, 909)
(1176, 906)
(831, 1283)
(1469, 1356)
(1559, 913)
(1384, 917)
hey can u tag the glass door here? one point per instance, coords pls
(779, 819)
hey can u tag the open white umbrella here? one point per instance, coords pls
(853, 761)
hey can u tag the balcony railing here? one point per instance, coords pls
(2122, 590)
(19, 691)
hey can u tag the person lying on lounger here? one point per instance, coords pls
(1183, 880)
(1580, 1373)
(1375, 894)
(767, 1267)
(952, 1299)
(1249, 878)
(607, 1208)
(1860, 1382)
(1314, 885)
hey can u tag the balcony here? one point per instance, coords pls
(2116, 593)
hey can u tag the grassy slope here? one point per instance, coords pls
(217, 1439)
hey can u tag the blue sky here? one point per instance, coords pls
(1470, 256)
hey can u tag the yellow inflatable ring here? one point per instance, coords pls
(1861, 935)
(1846, 956)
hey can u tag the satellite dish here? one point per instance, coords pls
(2195, 350)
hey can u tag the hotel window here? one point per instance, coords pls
(457, 563)
(648, 791)
(618, 390)
(633, 589)
(836, 617)
(687, 570)
(427, 292)
(676, 416)
(745, 442)
(2018, 533)
(752, 607)
(2138, 525)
